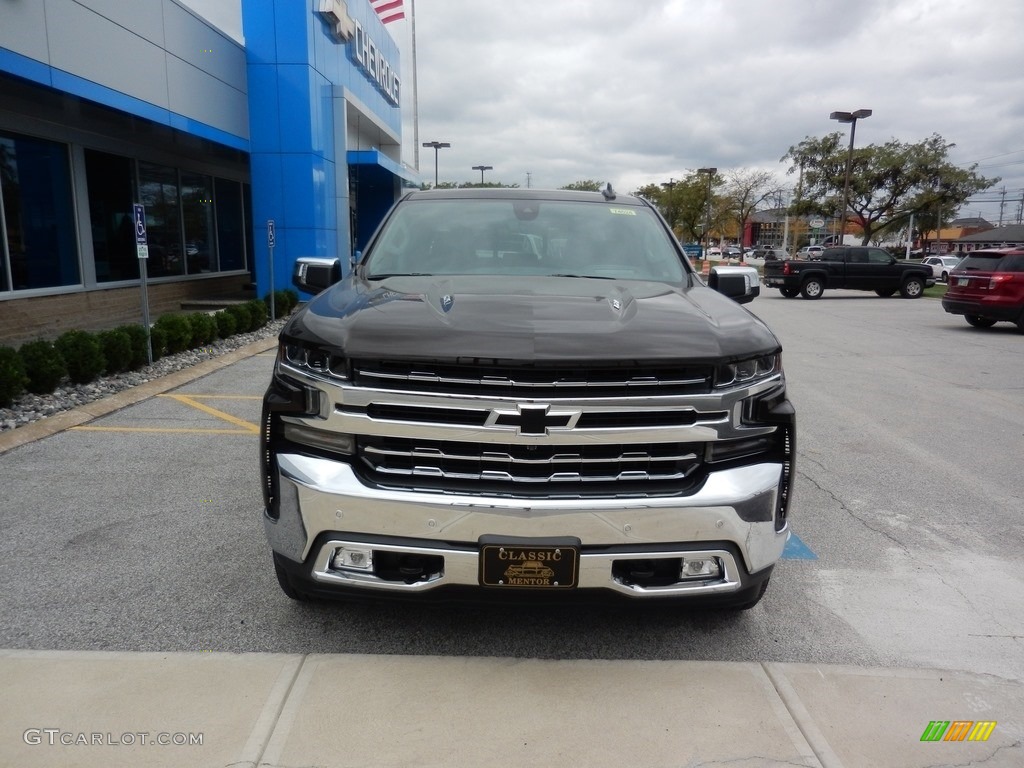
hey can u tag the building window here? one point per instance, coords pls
(230, 225)
(39, 228)
(197, 211)
(158, 192)
(111, 182)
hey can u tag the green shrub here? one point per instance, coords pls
(226, 324)
(12, 376)
(178, 332)
(44, 366)
(258, 312)
(117, 350)
(83, 355)
(159, 339)
(284, 302)
(138, 337)
(293, 298)
(242, 315)
(204, 328)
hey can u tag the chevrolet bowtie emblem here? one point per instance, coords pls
(533, 419)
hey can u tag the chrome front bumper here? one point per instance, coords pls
(323, 503)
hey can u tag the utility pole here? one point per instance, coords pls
(1002, 204)
(528, 179)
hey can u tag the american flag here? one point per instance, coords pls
(388, 10)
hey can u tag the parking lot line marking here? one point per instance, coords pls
(166, 429)
(220, 397)
(797, 550)
(248, 425)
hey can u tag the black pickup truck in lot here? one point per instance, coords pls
(526, 395)
(859, 268)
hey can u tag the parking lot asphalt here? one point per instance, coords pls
(68, 701)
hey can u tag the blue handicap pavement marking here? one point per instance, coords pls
(797, 550)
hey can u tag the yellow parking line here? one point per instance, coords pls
(247, 425)
(218, 397)
(166, 429)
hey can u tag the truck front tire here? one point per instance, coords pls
(912, 288)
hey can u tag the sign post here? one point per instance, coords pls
(271, 242)
(142, 249)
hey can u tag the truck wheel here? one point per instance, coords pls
(979, 322)
(812, 288)
(790, 293)
(885, 293)
(912, 288)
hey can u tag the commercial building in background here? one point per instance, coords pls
(103, 104)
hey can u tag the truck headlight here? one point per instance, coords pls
(318, 362)
(748, 371)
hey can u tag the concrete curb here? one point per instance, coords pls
(286, 709)
(51, 425)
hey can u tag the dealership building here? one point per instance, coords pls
(106, 104)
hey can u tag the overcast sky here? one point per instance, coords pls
(643, 91)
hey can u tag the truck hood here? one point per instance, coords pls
(529, 319)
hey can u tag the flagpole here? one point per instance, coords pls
(415, 93)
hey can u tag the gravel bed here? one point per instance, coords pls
(29, 407)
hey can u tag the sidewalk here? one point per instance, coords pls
(106, 709)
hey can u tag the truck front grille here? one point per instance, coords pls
(527, 470)
(490, 379)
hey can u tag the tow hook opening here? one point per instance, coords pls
(408, 568)
(666, 571)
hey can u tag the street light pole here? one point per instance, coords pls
(851, 118)
(482, 168)
(707, 208)
(436, 145)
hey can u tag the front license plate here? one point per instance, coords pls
(963, 280)
(531, 565)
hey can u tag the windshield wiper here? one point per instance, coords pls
(386, 275)
(589, 277)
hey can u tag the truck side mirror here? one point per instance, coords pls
(741, 284)
(313, 274)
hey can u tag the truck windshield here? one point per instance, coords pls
(524, 237)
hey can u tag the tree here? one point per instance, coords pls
(745, 191)
(586, 185)
(684, 204)
(888, 183)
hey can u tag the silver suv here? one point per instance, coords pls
(582, 417)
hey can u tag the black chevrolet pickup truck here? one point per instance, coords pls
(526, 395)
(857, 268)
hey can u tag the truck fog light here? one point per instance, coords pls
(352, 559)
(703, 568)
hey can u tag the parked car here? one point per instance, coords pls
(714, 252)
(732, 252)
(770, 254)
(858, 268)
(810, 252)
(942, 265)
(987, 287)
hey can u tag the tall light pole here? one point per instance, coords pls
(851, 118)
(707, 208)
(670, 212)
(436, 145)
(482, 168)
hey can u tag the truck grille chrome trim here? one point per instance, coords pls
(462, 466)
(485, 377)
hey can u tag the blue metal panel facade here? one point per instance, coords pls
(300, 84)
